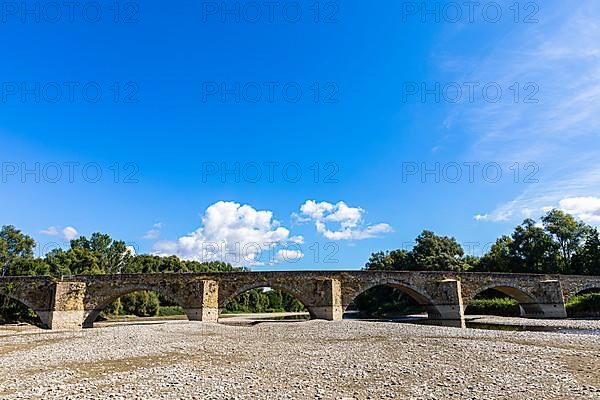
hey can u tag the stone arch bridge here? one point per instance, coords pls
(72, 302)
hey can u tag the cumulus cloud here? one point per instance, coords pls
(233, 233)
(585, 208)
(153, 233)
(70, 233)
(349, 221)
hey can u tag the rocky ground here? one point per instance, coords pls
(296, 360)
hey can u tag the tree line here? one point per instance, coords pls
(557, 244)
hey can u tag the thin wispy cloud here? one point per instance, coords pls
(560, 132)
(153, 233)
(50, 231)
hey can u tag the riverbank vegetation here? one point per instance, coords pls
(585, 305)
(152, 304)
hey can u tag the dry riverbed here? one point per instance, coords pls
(296, 360)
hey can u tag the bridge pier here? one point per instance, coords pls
(328, 302)
(448, 308)
(202, 302)
(550, 303)
(67, 311)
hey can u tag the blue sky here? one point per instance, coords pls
(346, 127)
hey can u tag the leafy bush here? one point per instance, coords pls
(116, 308)
(585, 305)
(167, 311)
(12, 311)
(260, 301)
(504, 307)
(385, 301)
(140, 304)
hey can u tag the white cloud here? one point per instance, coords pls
(297, 239)
(70, 233)
(287, 255)
(233, 233)
(153, 233)
(585, 208)
(349, 219)
(515, 210)
(50, 231)
(315, 210)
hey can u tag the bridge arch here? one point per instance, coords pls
(43, 317)
(296, 293)
(418, 295)
(528, 304)
(13, 296)
(102, 302)
(589, 288)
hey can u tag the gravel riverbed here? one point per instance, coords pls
(296, 360)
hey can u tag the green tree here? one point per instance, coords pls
(111, 255)
(14, 245)
(587, 259)
(567, 232)
(59, 262)
(141, 304)
(29, 266)
(260, 300)
(437, 253)
(76, 261)
(471, 262)
(533, 250)
(385, 301)
(498, 258)
(275, 300)
(430, 253)
(395, 260)
(16, 258)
